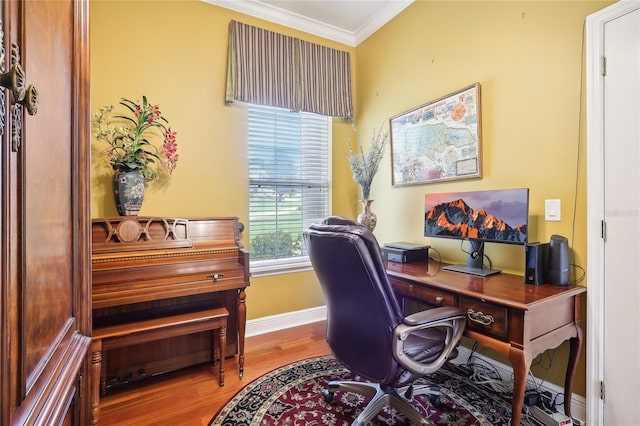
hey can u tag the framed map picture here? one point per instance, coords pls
(438, 141)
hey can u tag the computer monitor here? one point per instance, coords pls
(497, 216)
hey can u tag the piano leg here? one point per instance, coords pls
(222, 336)
(242, 322)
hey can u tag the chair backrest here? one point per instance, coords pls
(362, 310)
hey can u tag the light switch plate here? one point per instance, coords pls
(552, 210)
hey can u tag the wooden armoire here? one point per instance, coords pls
(45, 212)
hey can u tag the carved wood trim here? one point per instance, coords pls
(167, 255)
(16, 108)
(133, 233)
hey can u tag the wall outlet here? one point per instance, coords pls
(552, 210)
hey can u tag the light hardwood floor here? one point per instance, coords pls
(192, 396)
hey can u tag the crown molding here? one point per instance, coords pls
(374, 23)
(312, 26)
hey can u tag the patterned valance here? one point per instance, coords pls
(267, 68)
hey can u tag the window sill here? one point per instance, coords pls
(267, 268)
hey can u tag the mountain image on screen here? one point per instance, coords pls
(456, 219)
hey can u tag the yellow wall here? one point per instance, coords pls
(525, 55)
(174, 52)
(527, 58)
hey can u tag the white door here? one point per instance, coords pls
(614, 206)
(622, 234)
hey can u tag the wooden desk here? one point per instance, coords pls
(517, 320)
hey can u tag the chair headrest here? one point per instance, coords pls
(339, 220)
(343, 225)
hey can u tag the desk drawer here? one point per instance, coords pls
(427, 295)
(485, 317)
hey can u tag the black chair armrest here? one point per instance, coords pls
(435, 314)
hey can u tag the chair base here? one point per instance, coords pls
(381, 396)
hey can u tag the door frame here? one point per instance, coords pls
(595, 203)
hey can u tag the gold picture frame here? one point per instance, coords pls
(438, 141)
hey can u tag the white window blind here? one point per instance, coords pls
(288, 182)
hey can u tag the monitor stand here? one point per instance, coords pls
(474, 264)
(465, 269)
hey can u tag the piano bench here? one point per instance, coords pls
(121, 335)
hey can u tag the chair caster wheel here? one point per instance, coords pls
(328, 396)
(409, 392)
(435, 399)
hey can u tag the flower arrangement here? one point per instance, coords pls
(128, 136)
(364, 165)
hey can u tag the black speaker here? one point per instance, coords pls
(535, 271)
(558, 268)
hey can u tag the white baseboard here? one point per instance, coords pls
(283, 321)
(306, 316)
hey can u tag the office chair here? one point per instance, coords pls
(366, 329)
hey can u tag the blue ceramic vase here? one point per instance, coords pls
(128, 190)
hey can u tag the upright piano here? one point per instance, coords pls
(155, 267)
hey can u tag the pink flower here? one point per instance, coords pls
(154, 113)
(131, 137)
(170, 150)
(111, 155)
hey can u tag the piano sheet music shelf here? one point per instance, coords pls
(150, 267)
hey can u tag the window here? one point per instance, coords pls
(288, 185)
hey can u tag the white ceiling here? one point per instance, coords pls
(346, 21)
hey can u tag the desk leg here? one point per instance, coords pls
(242, 323)
(520, 363)
(575, 344)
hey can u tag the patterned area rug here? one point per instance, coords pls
(292, 396)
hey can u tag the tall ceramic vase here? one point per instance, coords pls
(128, 190)
(367, 217)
